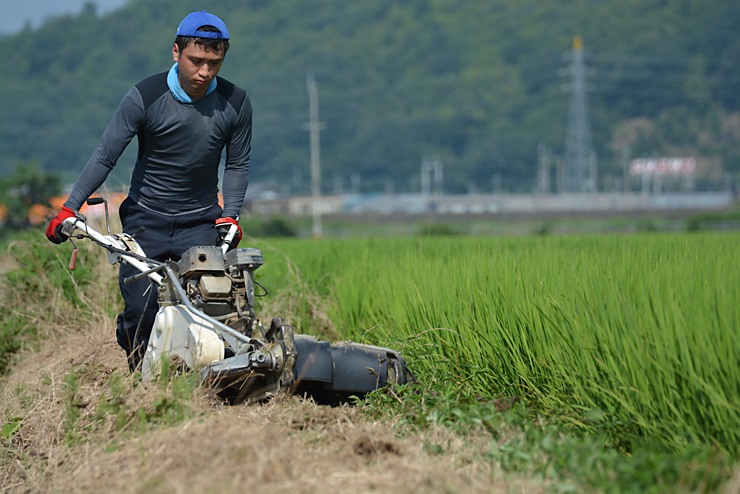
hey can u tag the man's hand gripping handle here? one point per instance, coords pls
(230, 233)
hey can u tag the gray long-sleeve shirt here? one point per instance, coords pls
(180, 147)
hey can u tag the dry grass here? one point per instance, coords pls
(286, 445)
(49, 312)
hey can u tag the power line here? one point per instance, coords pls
(652, 76)
(709, 94)
(656, 59)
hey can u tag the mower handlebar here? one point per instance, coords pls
(226, 242)
(111, 241)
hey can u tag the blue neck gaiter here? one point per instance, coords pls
(178, 92)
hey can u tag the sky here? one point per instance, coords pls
(15, 13)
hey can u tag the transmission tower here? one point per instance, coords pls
(580, 159)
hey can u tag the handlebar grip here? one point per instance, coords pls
(229, 238)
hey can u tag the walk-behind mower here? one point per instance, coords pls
(206, 323)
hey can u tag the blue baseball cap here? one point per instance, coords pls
(190, 24)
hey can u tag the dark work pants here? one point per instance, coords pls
(166, 237)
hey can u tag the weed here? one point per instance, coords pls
(521, 440)
(10, 427)
(73, 404)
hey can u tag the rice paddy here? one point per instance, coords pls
(635, 335)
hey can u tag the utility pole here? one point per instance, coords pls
(560, 175)
(296, 181)
(496, 183)
(580, 159)
(426, 168)
(431, 165)
(314, 127)
(543, 182)
(626, 169)
(645, 183)
(593, 173)
(438, 176)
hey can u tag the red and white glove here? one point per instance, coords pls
(54, 230)
(223, 225)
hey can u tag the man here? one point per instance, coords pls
(183, 119)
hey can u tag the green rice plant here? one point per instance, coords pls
(633, 335)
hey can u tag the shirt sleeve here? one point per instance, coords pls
(123, 126)
(236, 171)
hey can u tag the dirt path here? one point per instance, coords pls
(286, 445)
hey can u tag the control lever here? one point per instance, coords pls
(94, 201)
(73, 259)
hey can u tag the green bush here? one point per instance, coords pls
(270, 228)
(436, 229)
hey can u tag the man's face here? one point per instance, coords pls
(197, 67)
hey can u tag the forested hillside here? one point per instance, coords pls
(477, 82)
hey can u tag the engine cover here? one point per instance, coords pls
(201, 260)
(212, 286)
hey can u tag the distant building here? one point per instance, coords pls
(489, 204)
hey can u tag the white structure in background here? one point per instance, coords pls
(658, 170)
(678, 170)
(429, 165)
(378, 203)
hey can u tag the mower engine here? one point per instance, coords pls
(215, 329)
(222, 286)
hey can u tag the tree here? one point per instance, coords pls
(26, 187)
